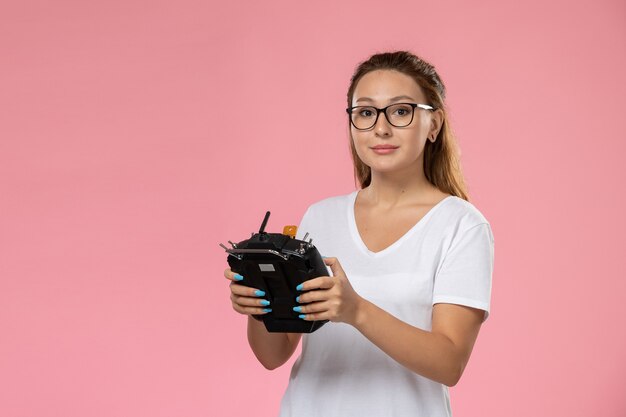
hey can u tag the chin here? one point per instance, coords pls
(386, 168)
(392, 166)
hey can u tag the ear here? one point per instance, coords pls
(436, 121)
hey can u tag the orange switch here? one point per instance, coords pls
(290, 231)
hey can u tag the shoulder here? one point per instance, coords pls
(463, 214)
(324, 216)
(331, 204)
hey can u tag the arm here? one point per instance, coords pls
(271, 349)
(440, 354)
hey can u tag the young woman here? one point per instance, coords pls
(411, 261)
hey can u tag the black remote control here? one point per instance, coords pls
(277, 263)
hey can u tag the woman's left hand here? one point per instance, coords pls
(330, 298)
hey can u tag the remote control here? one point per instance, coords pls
(277, 263)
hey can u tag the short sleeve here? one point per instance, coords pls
(465, 274)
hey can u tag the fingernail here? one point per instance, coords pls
(297, 299)
(299, 287)
(297, 309)
(265, 303)
(237, 277)
(302, 316)
(259, 293)
(267, 310)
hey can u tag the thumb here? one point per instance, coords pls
(335, 266)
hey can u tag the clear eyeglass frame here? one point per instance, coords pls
(352, 111)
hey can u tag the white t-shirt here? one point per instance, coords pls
(447, 257)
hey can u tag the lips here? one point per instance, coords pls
(384, 147)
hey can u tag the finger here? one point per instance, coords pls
(313, 308)
(314, 316)
(249, 301)
(251, 310)
(246, 291)
(233, 276)
(335, 266)
(323, 283)
(311, 296)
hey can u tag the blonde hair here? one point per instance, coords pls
(442, 166)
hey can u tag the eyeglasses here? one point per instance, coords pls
(397, 114)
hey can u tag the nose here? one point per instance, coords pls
(382, 126)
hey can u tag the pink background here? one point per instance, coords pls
(136, 135)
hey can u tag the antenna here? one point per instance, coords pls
(262, 229)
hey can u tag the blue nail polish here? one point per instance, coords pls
(259, 293)
(297, 299)
(302, 316)
(237, 277)
(267, 310)
(265, 303)
(297, 309)
(299, 287)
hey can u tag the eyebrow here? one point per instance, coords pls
(391, 99)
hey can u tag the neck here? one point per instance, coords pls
(390, 189)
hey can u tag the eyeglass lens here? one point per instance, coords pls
(399, 115)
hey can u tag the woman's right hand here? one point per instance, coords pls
(246, 300)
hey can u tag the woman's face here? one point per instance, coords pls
(380, 89)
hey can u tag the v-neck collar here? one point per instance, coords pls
(354, 231)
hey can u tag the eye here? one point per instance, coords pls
(366, 112)
(402, 111)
